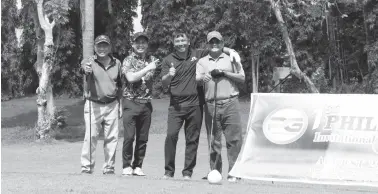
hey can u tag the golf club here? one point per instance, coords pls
(90, 122)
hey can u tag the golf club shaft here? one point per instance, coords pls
(212, 123)
(90, 123)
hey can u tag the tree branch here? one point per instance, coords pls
(295, 70)
(110, 7)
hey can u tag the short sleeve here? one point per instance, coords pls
(238, 68)
(199, 68)
(127, 65)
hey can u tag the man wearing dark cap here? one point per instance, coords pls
(101, 110)
(220, 77)
(138, 70)
(186, 103)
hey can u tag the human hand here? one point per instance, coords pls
(207, 77)
(152, 65)
(235, 57)
(172, 70)
(216, 73)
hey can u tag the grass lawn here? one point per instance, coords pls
(18, 118)
(54, 167)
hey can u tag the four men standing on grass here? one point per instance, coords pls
(187, 98)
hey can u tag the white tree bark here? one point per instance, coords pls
(45, 100)
(295, 70)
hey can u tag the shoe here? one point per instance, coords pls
(86, 172)
(233, 179)
(127, 171)
(167, 176)
(110, 172)
(186, 177)
(138, 172)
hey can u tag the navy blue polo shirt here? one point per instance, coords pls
(183, 87)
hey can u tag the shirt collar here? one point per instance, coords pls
(215, 59)
(111, 64)
(136, 56)
(180, 58)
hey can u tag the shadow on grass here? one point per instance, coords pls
(73, 132)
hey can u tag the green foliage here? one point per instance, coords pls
(19, 77)
(16, 77)
(251, 28)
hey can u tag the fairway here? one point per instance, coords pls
(54, 167)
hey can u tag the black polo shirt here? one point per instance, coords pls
(183, 87)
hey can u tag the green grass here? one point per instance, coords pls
(18, 118)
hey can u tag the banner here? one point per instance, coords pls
(314, 138)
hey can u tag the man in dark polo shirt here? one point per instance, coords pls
(102, 94)
(138, 69)
(218, 74)
(178, 74)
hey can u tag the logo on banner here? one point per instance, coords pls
(335, 126)
(285, 125)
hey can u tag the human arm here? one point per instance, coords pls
(168, 72)
(131, 74)
(237, 76)
(231, 52)
(151, 73)
(201, 75)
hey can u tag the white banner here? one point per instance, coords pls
(315, 138)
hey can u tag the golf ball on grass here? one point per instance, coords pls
(214, 177)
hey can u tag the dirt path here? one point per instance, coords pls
(54, 168)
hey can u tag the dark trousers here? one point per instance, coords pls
(136, 122)
(192, 116)
(227, 120)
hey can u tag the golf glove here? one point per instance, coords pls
(216, 73)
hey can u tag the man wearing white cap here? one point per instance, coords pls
(220, 77)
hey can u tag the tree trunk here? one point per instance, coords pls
(293, 61)
(45, 100)
(110, 7)
(255, 73)
(87, 8)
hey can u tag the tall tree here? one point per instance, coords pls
(48, 13)
(87, 8)
(295, 70)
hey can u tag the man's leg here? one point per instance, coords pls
(130, 112)
(232, 131)
(86, 165)
(214, 136)
(193, 123)
(143, 123)
(110, 135)
(175, 122)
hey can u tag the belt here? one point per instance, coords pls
(101, 102)
(222, 101)
(140, 100)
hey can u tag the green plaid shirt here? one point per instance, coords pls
(141, 89)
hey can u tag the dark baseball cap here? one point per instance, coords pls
(102, 38)
(140, 34)
(214, 34)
